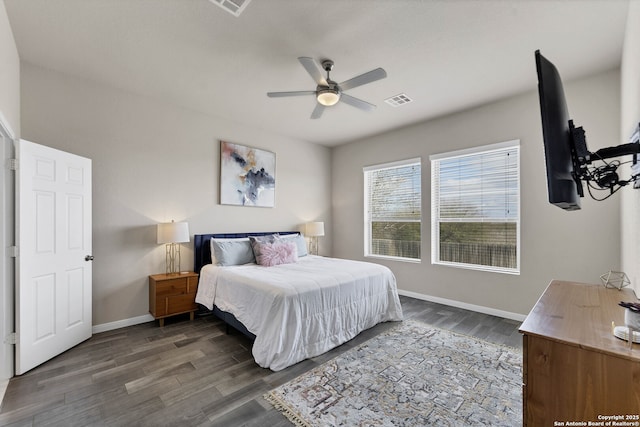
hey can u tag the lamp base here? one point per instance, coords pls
(172, 258)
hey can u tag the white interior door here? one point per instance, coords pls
(53, 280)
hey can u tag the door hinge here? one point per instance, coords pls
(13, 164)
(11, 339)
(13, 251)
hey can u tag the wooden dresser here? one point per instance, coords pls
(171, 294)
(574, 369)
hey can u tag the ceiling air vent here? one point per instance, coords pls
(398, 100)
(234, 7)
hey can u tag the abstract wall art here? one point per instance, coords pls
(247, 176)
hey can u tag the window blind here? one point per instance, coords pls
(476, 207)
(393, 203)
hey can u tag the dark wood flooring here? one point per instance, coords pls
(187, 374)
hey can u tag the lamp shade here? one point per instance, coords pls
(173, 232)
(314, 229)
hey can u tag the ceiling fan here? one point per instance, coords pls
(328, 92)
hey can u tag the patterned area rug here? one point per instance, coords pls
(412, 375)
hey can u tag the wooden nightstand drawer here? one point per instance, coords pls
(175, 304)
(171, 294)
(171, 287)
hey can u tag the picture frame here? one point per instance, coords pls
(247, 176)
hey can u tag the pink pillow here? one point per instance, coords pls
(276, 253)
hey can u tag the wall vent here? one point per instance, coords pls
(234, 7)
(398, 100)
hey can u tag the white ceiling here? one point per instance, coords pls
(445, 55)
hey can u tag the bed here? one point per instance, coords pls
(293, 310)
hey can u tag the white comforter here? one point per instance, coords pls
(301, 310)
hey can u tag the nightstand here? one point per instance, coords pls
(171, 294)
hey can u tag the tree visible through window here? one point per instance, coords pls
(475, 202)
(393, 203)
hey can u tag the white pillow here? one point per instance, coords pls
(301, 244)
(231, 251)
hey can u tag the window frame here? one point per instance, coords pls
(435, 229)
(417, 161)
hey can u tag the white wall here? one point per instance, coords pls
(152, 163)
(630, 116)
(554, 244)
(10, 122)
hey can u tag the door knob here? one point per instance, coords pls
(88, 258)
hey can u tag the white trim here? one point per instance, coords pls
(3, 388)
(4, 124)
(104, 327)
(391, 165)
(475, 150)
(478, 308)
(478, 267)
(7, 272)
(395, 258)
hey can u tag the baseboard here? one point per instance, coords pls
(3, 388)
(104, 327)
(479, 308)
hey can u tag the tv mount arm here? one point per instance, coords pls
(605, 177)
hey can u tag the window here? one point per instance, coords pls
(393, 203)
(475, 203)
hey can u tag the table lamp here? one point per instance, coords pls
(314, 230)
(172, 234)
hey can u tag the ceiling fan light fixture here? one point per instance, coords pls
(328, 97)
(328, 92)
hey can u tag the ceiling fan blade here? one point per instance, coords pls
(314, 71)
(294, 93)
(363, 79)
(317, 112)
(358, 103)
